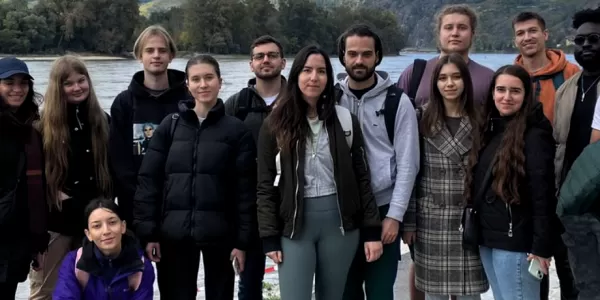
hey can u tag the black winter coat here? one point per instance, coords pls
(199, 183)
(18, 243)
(528, 226)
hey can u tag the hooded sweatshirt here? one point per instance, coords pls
(547, 90)
(136, 112)
(394, 167)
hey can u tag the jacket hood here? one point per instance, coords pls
(558, 62)
(176, 81)
(129, 260)
(383, 82)
(186, 108)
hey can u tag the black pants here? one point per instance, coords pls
(8, 290)
(568, 291)
(251, 280)
(177, 271)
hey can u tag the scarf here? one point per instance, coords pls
(36, 196)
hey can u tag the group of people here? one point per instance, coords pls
(462, 163)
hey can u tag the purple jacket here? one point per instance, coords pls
(130, 277)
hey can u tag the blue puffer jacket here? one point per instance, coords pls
(86, 274)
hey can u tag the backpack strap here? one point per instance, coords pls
(337, 93)
(244, 104)
(390, 109)
(345, 118)
(174, 121)
(82, 276)
(415, 79)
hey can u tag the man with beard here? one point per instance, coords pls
(549, 69)
(393, 158)
(252, 105)
(456, 25)
(573, 115)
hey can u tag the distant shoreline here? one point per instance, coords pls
(52, 57)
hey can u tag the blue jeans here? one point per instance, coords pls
(508, 275)
(582, 238)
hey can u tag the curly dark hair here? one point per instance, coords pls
(509, 163)
(288, 120)
(586, 16)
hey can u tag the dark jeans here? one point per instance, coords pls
(582, 238)
(379, 276)
(251, 280)
(568, 291)
(177, 271)
(8, 290)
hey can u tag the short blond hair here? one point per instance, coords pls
(150, 31)
(461, 9)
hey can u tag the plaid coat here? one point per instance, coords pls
(442, 267)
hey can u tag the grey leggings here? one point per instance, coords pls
(319, 249)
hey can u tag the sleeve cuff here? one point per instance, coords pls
(272, 243)
(370, 234)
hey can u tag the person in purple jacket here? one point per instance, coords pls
(110, 265)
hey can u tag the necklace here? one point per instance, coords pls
(588, 89)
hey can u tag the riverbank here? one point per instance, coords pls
(82, 56)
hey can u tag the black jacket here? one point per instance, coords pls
(133, 108)
(81, 183)
(258, 110)
(280, 208)
(200, 183)
(18, 242)
(533, 219)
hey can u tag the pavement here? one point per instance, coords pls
(401, 287)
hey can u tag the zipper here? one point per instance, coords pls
(193, 198)
(510, 222)
(337, 198)
(296, 191)
(77, 118)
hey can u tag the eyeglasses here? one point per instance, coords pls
(592, 38)
(261, 56)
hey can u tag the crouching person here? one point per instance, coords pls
(110, 265)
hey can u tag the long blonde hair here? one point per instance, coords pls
(55, 130)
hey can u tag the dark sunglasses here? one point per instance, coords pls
(592, 38)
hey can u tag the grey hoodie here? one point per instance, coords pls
(393, 168)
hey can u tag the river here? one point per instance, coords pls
(111, 77)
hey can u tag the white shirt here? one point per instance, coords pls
(596, 121)
(270, 100)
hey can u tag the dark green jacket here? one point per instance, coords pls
(580, 192)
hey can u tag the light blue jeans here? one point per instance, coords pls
(446, 297)
(508, 275)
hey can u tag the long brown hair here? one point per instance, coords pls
(55, 130)
(509, 160)
(288, 120)
(436, 109)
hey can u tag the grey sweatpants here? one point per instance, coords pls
(318, 249)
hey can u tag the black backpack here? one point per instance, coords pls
(245, 104)
(390, 107)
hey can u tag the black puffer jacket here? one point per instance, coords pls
(199, 183)
(533, 219)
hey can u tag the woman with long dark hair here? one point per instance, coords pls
(23, 208)
(315, 203)
(449, 122)
(75, 136)
(515, 150)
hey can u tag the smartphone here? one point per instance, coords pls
(535, 269)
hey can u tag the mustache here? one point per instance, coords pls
(359, 67)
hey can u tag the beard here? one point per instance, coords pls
(268, 76)
(366, 74)
(588, 64)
